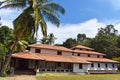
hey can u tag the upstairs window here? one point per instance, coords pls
(106, 65)
(98, 56)
(92, 65)
(59, 53)
(28, 48)
(113, 65)
(78, 54)
(80, 66)
(98, 65)
(88, 55)
(37, 50)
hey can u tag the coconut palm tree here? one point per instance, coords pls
(35, 14)
(51, 39)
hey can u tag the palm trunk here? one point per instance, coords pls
(8, 57)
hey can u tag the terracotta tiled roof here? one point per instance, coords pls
(26, 55)
(87, 52)
(58, 58)
(97, 59)
(82, 47)
(49, 57)
(44, 46)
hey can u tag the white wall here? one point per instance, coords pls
(67, 53)
(83, 70)
(32, 49)
(94, 56)
(47, 51)
(102, 66)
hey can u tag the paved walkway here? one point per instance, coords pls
(20, 77)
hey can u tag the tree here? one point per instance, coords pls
(69, 43)
(7, 38)
(106, 41)
(50, 39)
(32, 17)
(81, 38)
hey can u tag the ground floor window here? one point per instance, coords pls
(106, 65)
(113, 65)
(80, 66)
(92, 65)
(58, 64)
(98, 65)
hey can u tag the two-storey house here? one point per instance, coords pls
(42, 58)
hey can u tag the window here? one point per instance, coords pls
(88, 55)
(28, 48)
(78, 54)
(106, 65)
(80, 66)
(113, 65)
(58, 64)
(59, 53)
(98, 65)
(37, 50)
(92, 65)
(98, 56)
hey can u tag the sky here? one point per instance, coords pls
(82, 16)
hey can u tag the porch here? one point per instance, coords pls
(27, 66)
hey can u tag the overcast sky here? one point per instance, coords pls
(82, 16)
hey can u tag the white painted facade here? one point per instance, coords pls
(84, 69)
(75, 67)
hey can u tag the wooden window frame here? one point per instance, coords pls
(37, 50)
(59, 52)
(98, 65)
(92, 65)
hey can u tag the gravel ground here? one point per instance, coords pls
(20, 77)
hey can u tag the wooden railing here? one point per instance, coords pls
(54, 70)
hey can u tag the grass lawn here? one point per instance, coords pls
(79, 77)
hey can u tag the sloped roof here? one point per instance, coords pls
(88, 52)
(58, 58)
(82, 47)
(26, 55)
(45, 46)
(97, 59)
(48, 57)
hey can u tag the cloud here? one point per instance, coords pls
(8, 15)
(65, 31)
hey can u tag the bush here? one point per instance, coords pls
(4, 74)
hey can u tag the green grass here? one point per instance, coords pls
(78, 77)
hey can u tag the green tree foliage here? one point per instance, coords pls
(106, 41)
(34, 15)
(69, 43)
(81, 38)
(50, 39)
(7, 38)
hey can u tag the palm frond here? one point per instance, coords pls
(14, 4)
(24, 24)
(54, 6)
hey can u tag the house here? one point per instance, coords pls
(42, 58)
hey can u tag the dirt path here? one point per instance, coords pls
(20, 77)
